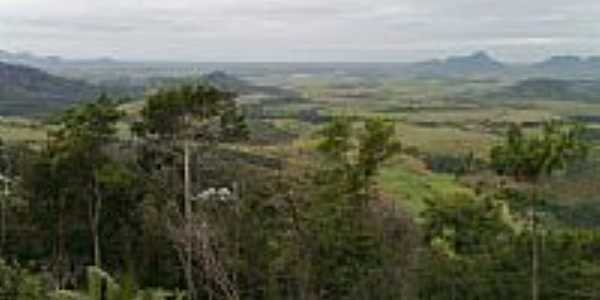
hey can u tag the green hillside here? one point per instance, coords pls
(25, 90)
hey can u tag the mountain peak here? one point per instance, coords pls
(479, 57)
(564, 59)
(225, 81)
(477, 63)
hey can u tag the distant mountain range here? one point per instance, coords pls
(479, 64)
(30, 90)
(26, 90)
(28, 85)
(570, 66)
(551, 89)
(28, 58)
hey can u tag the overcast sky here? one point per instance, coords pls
(300, 30)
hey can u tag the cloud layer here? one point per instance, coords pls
(300, 30)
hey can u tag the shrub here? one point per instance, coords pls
(20, 284)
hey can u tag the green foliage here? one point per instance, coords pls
(315, 226)
(458, 165)
(174, 112)
(376, 145)
(473, 260)
(233, 125)
(337, 139)
(358, 155)
(466, 223)
(347, 249)
(67, 295)
(477, 249)
(576, 275)
(412, 188)
(471, 252)
(96, 277)
(20, 284)
(66, 182)
(91, 121)
(527, 158)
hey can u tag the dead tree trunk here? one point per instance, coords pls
(95, 225)
(534, 249)
(188, 219)
(3, 217)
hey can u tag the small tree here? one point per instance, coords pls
(72, 168)
(5, 179)
(360, 155)
(82, 137)
(186, 116)
(346, 244)
(529, 158)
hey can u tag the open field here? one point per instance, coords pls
(439, 117)
(408, 182)
(432, 116)
(21, 130)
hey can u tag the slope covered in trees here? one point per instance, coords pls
(476, 64)
(176, 200)
(25, 90)
(553, 89)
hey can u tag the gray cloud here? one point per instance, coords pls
(375, 30)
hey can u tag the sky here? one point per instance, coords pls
(300, 30)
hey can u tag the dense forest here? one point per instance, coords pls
(174, 201)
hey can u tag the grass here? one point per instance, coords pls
(445, 140)
(407, 182)
(13, 130)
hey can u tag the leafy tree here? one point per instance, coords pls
(346, 249)
(529, 158)
(186, 116)
(69, 178)
(19, 283)
(357, 158)
(187, 112)
(572, 268)
(470, 243)
(82, 137)
(6, 171)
